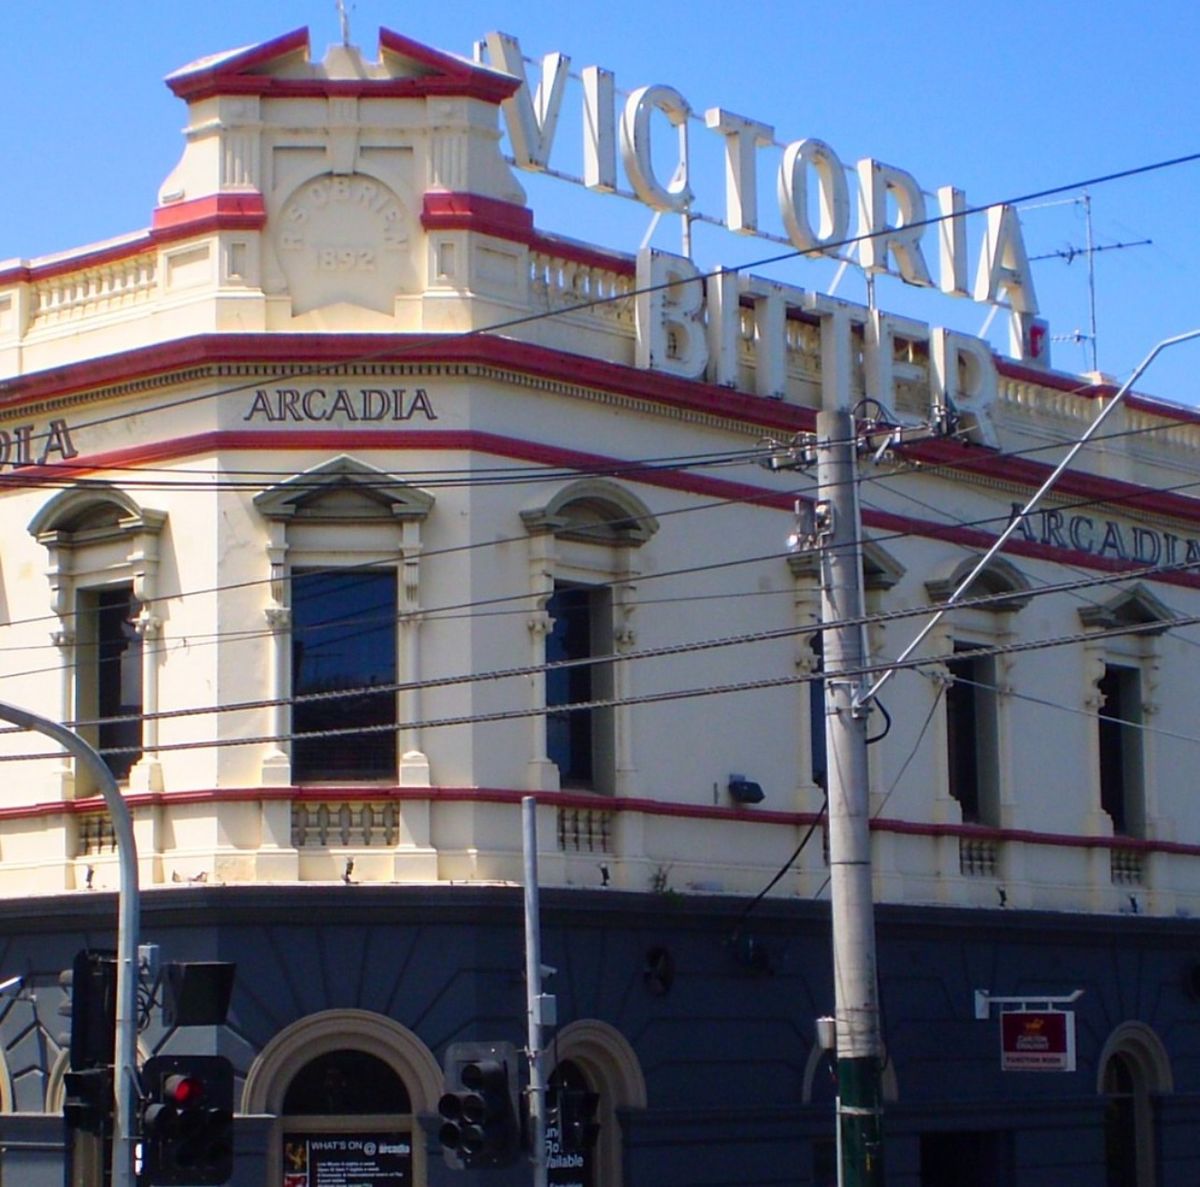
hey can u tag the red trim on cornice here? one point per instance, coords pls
(467, 440)
(96, 257)
(1062, 381)
(497, 85)
(536, 453)
(193, 83)
(241, 74)
(242, 211)
(321, 351)
(642, 805)
(330, 350)
(449, 210)
(200, 216)
(1091, 487)
(583, 253)
(442, 210)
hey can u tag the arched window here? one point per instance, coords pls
(103, 566)
(593, 1056)
(1133, 1069)
(974, 720)
(344, 547)
(582, 545)
(1123, 678)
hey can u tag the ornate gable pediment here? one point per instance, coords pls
(1136, 606)
(344, 490)
(283, 66)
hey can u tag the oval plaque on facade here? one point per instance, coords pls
(343, 239)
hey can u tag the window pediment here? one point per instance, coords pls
(344, 490)
(881, 570)
(594, 511)
(92, 514)
(1000, 577)
(1132, 607)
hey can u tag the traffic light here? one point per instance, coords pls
(187, 1120)
(93, 985)
(480, 1109)
(578, 1128)
(88, 1100)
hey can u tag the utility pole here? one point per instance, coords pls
(537, 1003)
(837, 534)
(856, 994)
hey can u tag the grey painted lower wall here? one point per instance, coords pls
(734, 1094)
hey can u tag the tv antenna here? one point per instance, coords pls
(1089, 251)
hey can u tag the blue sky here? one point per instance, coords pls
(998, 99)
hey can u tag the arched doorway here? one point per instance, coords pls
(1133, 1069)
(347, 1117)
(592, 1056)
(347, 1089)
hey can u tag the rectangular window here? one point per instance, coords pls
(972, 741)
(109, 675)
(580, 743)
(1121, 749)
(344, 639)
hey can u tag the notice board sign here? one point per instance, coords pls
(567, 1168)
(347, 1160)
(1037, 1041)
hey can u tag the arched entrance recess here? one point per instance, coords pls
(598, 1057)
(344, 1085)
(1132, 1070)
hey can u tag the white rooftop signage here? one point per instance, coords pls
(893, 226)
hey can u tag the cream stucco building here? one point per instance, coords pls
(325, 492)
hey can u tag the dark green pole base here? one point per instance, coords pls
(860, 1122)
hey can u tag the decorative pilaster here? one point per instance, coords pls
(146, 773)
(64, 640)
(414, 765)
(277, 765)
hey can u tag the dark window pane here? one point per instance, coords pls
(118, 673)
(1120, 749)
(962, 737)
(344, 637)
(345, 1082)
(569, 735)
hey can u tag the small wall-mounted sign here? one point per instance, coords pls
(1037, 1041)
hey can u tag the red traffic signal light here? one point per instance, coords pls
(187, 1120)
(182, 1091)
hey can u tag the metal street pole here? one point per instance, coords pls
(533, 991)
(856, 1001)
(125, 1044)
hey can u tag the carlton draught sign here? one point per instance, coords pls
(1037, 1041)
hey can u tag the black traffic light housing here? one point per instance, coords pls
(197, 992)
(93, 984)
(187, 1120)
(88, 1100)
(480, 1108)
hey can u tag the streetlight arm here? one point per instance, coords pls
(1014, 523)
(124, 1048)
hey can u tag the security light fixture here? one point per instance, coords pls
(745, 791)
